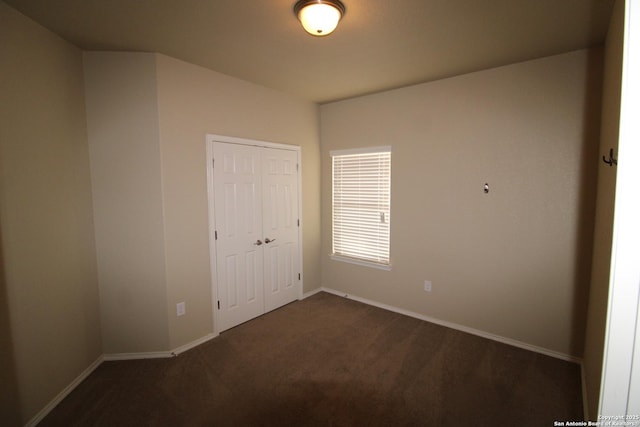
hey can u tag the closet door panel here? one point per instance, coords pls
(280, 227)
(238, 207)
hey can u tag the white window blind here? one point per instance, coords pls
(362, 204)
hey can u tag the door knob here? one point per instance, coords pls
(268, 240)
(258, 242)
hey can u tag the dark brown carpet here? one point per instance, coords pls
(330, 361)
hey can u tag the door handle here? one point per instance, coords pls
(268, 240)
(258, 242)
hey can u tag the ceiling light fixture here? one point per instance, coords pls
(319, 17)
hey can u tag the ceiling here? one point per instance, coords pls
(378, 45)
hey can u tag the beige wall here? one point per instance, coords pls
(194, 101)
(514, 262)
(122, 119)
(603, 230)
(148, 116)
(49, 292)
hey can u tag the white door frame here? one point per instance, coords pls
(620, 386)
(210, 140)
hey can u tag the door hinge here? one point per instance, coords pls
(298, 223)
(297, 167)
(218, 305)
(213, 163)
(215, 234)
(298, 276)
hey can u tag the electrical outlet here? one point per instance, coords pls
(427, 286)
(180, 309)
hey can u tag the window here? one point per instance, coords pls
(362, 206)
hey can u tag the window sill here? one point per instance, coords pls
(386, 267)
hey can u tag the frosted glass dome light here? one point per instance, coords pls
(319, 17)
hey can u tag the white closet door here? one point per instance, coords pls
(257, 254)
(280, 227)
(239, 251)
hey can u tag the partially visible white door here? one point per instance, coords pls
(280, 227)
(620, 387)
(238, 214)
(257, 257)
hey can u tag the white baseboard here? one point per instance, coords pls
(193, 344)
(313, 292)
(159, 354)
(477, 332)
(136, 356)
(64, 393)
